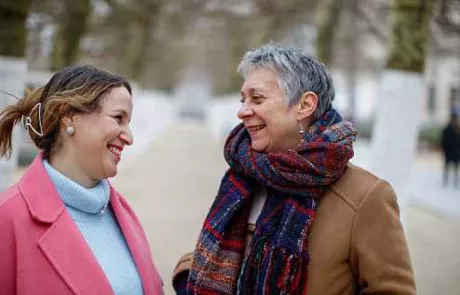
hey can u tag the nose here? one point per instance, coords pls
(245, 111)
(127, 136)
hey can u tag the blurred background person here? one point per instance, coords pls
(450, 143)
(64, 228)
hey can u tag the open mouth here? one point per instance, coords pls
(115, 150)
(255, 128)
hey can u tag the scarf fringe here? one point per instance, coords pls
(273, 270)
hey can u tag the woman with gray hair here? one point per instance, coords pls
(292, 215)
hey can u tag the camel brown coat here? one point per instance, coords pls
(357, 243)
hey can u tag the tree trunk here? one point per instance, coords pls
(13, 15)
(139, 49)
(410, 35)
(352, 52)
(394, 136)
(13, 69)
(71, 28)
(328, 16)
(145, 16)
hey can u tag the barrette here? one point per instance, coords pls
(27, 120)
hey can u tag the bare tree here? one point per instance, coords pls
(264, 21)
(410, 35)
(71, 21)
(328, 15)
(448, 16)
(352, 55)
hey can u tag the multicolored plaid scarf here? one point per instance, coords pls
(295, 180)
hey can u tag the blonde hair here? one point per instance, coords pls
(73, 90)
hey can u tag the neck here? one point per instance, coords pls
(72, 170)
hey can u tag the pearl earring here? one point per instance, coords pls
(70, 130)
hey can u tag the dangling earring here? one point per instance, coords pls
(301, 131)
(70, 130)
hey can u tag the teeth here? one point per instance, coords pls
(115, 150)
(256, 128)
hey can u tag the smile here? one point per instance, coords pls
(115, 150)
(255, 128)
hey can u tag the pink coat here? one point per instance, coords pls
(42, 251)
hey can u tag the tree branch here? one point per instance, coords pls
(373, 28)
(443, 19)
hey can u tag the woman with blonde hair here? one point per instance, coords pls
(64, 229)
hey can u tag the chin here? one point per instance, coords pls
(258, 147)
(110, 171)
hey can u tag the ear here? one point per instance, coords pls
(307, 105)
(67, 121)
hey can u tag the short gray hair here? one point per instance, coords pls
(298, 72)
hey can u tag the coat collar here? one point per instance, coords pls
(41, 197)
(39, 193)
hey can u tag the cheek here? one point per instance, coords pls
(276, 120)
(283, 127)
(108, 130)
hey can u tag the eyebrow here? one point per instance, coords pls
(123, 112)
(252, 90)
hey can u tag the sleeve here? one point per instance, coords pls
(180, 273)
(379, 248)
(7, 255)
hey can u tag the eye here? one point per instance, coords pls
(118, 118)
(258, 99)
(242, 99)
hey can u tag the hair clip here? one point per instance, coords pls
(27, 120)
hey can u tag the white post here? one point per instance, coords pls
(13, 73)
(394, 136)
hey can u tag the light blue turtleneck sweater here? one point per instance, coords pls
(98, 225)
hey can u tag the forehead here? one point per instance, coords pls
(118, 97)
(260, 79)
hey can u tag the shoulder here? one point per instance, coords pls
(357, 184)
(12, 209)
(10, 200)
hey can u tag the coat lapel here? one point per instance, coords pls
(62, 243)
(138, 246)
(68, 252)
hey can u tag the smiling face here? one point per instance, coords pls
(271, 123)
(96, 147)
